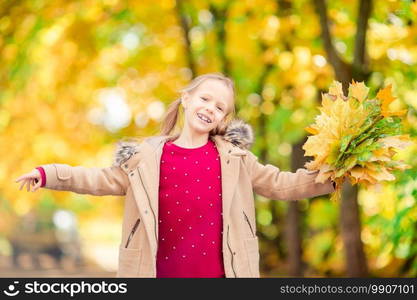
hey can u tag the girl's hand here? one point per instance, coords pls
(32, 178)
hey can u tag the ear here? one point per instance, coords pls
(184, 100)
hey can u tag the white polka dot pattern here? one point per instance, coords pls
(190, 212)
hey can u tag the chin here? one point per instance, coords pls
(201, 129)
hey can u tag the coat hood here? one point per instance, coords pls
(237, 132)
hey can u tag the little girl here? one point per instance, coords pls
(189, 205)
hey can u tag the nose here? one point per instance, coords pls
(209, 108)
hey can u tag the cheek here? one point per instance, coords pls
(221, 115)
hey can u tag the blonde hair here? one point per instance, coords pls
(171, 117)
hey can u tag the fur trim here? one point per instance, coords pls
(237, 132)
(124, 150)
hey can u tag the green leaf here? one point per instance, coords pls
(345, 143)
(364, 156)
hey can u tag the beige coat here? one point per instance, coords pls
(135, 175)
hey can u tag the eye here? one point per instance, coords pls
(204, 99)
(221, 109)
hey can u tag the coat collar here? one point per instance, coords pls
(238, 134)
(146, 157)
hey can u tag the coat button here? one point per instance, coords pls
(228, 161)
(230, 151)
(234, 253)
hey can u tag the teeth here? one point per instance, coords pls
(204, 118)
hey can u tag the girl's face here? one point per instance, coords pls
(207, 105)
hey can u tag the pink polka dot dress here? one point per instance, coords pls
(190, 212)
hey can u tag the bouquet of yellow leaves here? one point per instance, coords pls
(355, 137)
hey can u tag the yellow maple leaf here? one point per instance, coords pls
(386, 97)
(325, 172)
(341, 120)
(336, 89)
(358, 90)
(378, 172)
(401, 165)
(397, 141)
(311, 129)
(395, 113)
(380, 155)
(338, 118)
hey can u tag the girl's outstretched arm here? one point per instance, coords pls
(82, 180)
(269, 181)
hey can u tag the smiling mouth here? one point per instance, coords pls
(204, 118)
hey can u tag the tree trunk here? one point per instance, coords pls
(182, 18)
(293, 230)
(293, 238)
(351, 232)
(220, 15)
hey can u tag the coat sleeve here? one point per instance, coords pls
(270, 182)
(95, 181)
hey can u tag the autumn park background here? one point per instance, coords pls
(77, 76)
